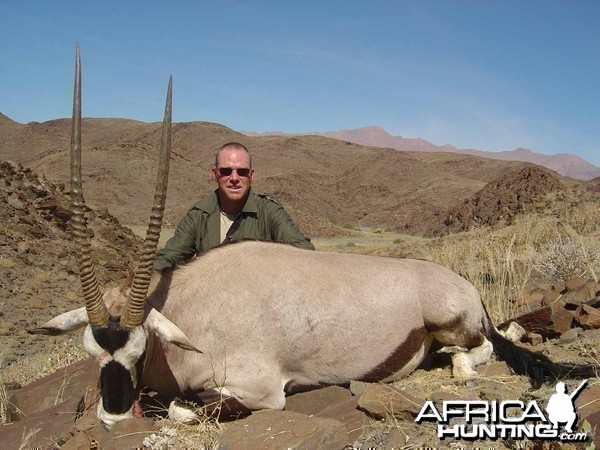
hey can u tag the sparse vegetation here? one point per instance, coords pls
(564, 257)
(501, 263)
(5, 406)
(66, 352)
(28, 436)
(492, 264)
(172, 434)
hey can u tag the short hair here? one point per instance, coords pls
(233, 146)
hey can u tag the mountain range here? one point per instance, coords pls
(566, 164)
(328, 186)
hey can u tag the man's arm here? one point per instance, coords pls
(180, 247)
(283, 228)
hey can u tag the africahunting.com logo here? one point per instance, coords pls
(510, 419)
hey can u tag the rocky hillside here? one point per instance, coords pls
(499, 202)
(38, 269)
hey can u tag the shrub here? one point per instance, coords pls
(564, 257)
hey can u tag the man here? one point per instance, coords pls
(231, 212)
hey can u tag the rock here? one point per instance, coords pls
(588, 317)
(548, 287)
(15, 203)
(575, 283)
(588, 401)
(569, 336)
(561, 318)
(538, 321)
(347, 412)
(357, 387)
(592, 290)
(81, 441)
(312, 402)
(74, 380)
(580, 296)
(395, 440)
(129, 433)
(268, 429)
(594, 421)
(551, 297)
(383, 401)
(495, 369)
(534, 298)
(514, 332)
(534, 338)
(44, 428)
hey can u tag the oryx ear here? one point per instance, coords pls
(168, 331)
(69, 321)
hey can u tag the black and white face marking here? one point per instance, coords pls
(118, 352)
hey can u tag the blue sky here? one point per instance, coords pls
(489, 75)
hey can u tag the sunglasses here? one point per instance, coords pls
(227, 171)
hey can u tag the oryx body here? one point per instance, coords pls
(270, 318)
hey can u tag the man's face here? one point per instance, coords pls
(233, 185)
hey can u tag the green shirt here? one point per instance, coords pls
(260, 218)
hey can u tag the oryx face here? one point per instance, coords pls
(120, 355)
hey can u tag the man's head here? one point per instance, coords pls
(233, 173)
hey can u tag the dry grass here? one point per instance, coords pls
(366, 241)
(201, 433)
(172, 434)
(27, 438)
(6, 406)
(502, 263)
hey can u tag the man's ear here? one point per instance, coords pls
(213, 174)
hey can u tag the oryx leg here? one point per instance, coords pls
(479, 350)
(240, 396)
(464, 363)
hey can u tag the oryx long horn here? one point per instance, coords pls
(134, 310)
(96, 309)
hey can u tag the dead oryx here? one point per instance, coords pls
(252, 321)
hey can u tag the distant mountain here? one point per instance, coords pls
(328, 186)
(566, 164)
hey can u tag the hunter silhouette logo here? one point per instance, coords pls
(560, 407)
(509, 419)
